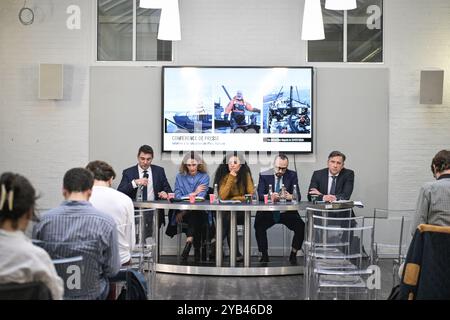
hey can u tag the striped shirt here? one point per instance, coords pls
(80, 229)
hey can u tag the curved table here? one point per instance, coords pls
(219, 269)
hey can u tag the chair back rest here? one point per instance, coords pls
(79, 265)
(145, 226)
(24, 291)
(337, 235)
(393, 231)
(426, 272)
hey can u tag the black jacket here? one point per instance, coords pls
(426, 272)
(344, 183)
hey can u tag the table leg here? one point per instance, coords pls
(247, 238)
(156, 233)
(219, 238)
(233, 241)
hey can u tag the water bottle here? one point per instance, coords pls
(270, 195)
(216, 193)
(140, 194)
(255, 197)
(295, 195)
(283, 194)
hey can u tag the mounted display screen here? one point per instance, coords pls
(237, 109)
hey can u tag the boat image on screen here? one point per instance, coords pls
(286, 114)
(198, 121)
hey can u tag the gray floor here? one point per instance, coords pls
(183, 287)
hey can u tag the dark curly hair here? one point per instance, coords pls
(18, 197)
(222, 170)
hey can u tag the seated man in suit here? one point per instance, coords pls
(149, 178)
(281, 175)
(332, 183)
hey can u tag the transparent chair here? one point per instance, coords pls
(144, 252)
(339, 267)
(396, 235)
(130, 274)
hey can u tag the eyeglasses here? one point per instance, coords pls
(191, 165)
(281, 168)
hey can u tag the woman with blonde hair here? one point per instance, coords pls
(192, 179)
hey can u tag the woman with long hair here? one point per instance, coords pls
(192, 179)
(234, 179)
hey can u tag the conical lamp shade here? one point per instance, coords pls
(312, 25)
(340, 4)
(169, 24)
(151, 4)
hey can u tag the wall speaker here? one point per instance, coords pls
(431, 86)
(50, 81)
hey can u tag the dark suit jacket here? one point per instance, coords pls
(344, 183)
(160, 182)
(267, 177)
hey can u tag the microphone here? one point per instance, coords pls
(144, 176)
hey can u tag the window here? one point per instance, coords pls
(350, 36)
(126, 32)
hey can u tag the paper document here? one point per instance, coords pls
(230, 201)
(358, 204)
(186, 198)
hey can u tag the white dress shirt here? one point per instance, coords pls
(150, 192)
(120, 207)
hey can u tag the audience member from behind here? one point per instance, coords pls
(433, 203)
(76, 222)
(20, 260)
(114, 203)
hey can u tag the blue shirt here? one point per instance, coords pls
(185, 184)
(88, 232)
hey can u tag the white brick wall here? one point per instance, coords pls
(43, 138)
(418, 37)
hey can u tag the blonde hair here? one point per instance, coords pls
(201, 165)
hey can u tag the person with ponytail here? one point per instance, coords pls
(20, 260)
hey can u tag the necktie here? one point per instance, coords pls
(277, 185)
(277, 214)
(333, 185)
(144, 189)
